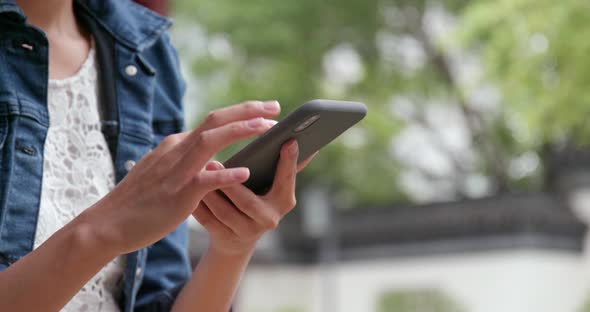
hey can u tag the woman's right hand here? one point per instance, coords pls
(165, 187)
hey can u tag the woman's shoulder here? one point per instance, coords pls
(130, 23)
(144, 34)
(140, 30)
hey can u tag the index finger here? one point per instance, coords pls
(205, 144)
(243, 111)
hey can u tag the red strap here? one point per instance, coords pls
(160, 6)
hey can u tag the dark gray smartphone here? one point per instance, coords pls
(314, 124)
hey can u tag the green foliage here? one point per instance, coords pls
(585, 307)
(427, 300)
(537, 51)
(278, 50)
(263, 49)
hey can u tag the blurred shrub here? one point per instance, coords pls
(424, 300)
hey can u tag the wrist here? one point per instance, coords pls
(87, 235)
(234, 260)
(243, 250)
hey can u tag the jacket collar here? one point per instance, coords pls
(9, 9)
(131, 24)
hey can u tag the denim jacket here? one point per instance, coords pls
(141, 91)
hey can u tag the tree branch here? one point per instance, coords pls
(479, 133)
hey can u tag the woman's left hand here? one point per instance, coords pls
(235, 227)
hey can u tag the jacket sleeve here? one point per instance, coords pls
(167, 269)
(167, 265)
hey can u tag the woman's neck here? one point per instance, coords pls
(68, 42)
(55, 17)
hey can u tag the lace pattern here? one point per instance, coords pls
(77, 172)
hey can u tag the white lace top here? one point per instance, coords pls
(77, 171)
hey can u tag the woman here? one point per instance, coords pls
(87, 89)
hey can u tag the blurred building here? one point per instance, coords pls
(511, 253)
(521, 252)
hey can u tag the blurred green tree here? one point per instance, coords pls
(537, 53)
(394, 55)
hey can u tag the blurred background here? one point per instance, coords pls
(467, 186)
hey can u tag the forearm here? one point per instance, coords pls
(213, 284)
(47, 278)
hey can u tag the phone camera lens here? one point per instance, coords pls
(308, 122)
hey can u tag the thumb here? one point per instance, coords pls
(216, 179)
(210, 180)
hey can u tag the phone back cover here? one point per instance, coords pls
(262, 155)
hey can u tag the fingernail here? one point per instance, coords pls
(255, 123)
(271, 122)
(293, 147)
(214, 165)
(240, 174)
(272, 106)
